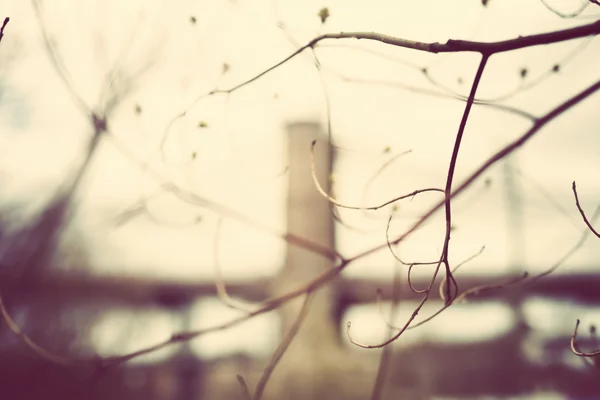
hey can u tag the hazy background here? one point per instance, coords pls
(231, 149)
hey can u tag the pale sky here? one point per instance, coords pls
(240, 156)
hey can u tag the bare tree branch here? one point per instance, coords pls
(499, 155)
(447, 92)
(451, 284)
(451, 46)
(448, 287)
(330, 274)
(491, 161)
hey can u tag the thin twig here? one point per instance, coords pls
(443, 282)
(450, 281)
(380, 170)
(124, 53)
(283, 346)
(396, 256)
(571, 251)
(39, 350)
(58, 64)
(6, 20)
(243, 387)
(393, 338)
(572, 14)
(445, 94)
(549, 197)
(589, 225)
(386, 353)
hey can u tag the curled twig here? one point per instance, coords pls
(396, 256)
(219, 281)
(418, 291)
(575, 349)
(571, 14)
(323, 193)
